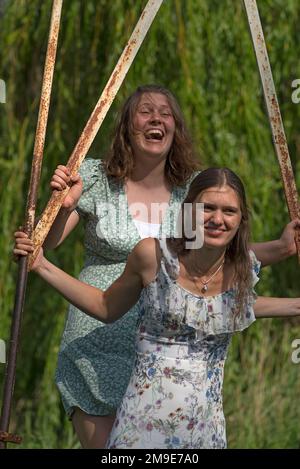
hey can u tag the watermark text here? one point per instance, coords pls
(296, 352)
(2, 91)
(2, 351)
(296, 93)
(182, 221)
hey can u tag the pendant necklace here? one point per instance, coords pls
(205, 283)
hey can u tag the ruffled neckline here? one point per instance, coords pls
(206, 315)
(202, 297)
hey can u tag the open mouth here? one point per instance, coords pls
(154, 134)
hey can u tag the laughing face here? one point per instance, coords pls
(154, 126)
(222, 215)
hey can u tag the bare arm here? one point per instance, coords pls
(64, 223)
(67, 218)
(109, 305)
(271, 252)
(267, 307)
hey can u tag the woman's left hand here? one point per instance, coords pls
(289, 234)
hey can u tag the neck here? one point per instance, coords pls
(149, 173)
(203, 260)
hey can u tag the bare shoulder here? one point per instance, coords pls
(145, 258)
(147, 252)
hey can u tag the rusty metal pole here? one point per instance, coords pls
(29, 224)
(94, 123)
(274, 114)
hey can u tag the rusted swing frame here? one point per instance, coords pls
(86, 139)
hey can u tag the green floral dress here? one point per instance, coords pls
(96, 360)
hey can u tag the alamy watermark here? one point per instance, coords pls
(2, 351)
(2, 91)
(296, 93)
(188, 223)
(296, 352)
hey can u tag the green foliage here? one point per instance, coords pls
(202, 51)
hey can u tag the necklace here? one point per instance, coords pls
(205, 283)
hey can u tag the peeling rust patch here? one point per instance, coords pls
(10, 438)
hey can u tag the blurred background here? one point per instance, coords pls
(202, 51)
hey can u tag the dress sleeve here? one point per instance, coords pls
(91, 172)
(256, 264)
(247, 317)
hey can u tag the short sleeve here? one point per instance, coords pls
(233, 322)
(92, 173)
(245, 319)
(256, 264)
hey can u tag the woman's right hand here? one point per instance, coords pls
(24, 246)
(59, 181)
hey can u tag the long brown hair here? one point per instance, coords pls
(181, 161)
(237, 251)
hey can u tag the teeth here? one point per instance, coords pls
(154, 134)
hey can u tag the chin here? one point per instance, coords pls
(156, 154)
(214, 243)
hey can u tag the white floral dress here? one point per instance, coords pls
(174, 397)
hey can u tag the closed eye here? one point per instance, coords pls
(230, 210)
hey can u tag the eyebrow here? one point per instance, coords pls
(224, 207)
(163, 106)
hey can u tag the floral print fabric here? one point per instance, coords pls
(174, 397)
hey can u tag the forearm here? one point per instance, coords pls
(63, 224)
(270, 252)
(85, 297)
(267, 307)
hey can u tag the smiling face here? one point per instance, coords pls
(222, 215)
(153, 126)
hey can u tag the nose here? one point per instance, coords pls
(155, 116)
(217, 217)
